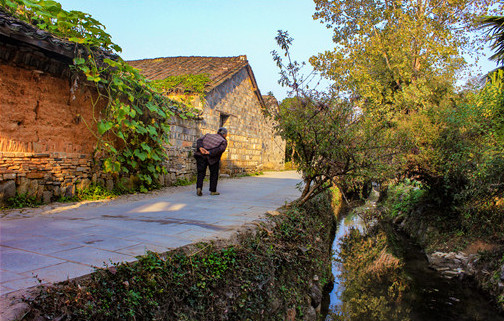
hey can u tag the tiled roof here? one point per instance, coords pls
(218, 69)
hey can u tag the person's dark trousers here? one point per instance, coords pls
(201, 164)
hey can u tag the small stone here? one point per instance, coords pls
(450, 255)
(310, 314)
(15, 311)
(57, 191)
(9, 176)
(7, 190)
(33, 188)
(85, 183)
(450, 274)
(315, 295)
(460, 256)
(46, 197)
(70, 191)
(502, 273)
(442, 269)
(110, 184)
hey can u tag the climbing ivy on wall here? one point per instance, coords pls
(132, 128)
(194, 84)
(188, 85)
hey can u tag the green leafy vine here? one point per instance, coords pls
(189, 86)
(190, 83)
(132, 129)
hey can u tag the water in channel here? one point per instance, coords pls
(421, 294)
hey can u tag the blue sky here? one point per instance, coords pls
(166, 28)
(155, 28)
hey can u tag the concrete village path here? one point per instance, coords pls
(57, 242)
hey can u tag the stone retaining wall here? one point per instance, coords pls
(457, 264)
(46, 176)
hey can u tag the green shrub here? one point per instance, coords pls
(92, 193)
(23, 200)
(403, 197)
(184, 181)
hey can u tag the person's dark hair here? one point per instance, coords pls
(222, 131)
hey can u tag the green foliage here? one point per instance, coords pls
(185, 83)
(248, 174)
(390, 56)
(132, 128)
(95, 192)
(73, 25)
(184, 181)
(330, 141)
(458, 158)
(23, 200)
(495, 27)
(403, 197)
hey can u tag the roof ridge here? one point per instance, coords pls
(242, 57)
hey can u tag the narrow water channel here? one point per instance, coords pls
(427, 296)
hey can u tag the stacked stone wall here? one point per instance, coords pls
(46, 176)
(180, 163)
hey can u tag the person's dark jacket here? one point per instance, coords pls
(215, 144)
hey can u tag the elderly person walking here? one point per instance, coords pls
(209, 149)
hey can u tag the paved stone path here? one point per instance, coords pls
(55, 243)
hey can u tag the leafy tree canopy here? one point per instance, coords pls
(389, 53)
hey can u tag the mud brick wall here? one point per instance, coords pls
(44, 113)
(46, 125)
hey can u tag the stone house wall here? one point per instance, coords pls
(252, 146)
(180, 162)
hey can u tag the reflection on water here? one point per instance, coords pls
(349, 221)
(384, 276)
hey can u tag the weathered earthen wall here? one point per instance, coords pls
(46, 126)
(44, 113)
